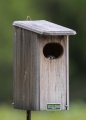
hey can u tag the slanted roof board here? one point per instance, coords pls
(44, 27)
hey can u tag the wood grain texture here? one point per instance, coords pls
(53, 75)
(44, 27)
(67, 73)
(39, 81)
(26, 82)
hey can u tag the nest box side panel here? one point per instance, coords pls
(53, 72)
(67, 49)
(26, 70)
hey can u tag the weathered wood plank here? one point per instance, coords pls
(44, 27)
(39, 81)
(67, 72)
(52, 75)
(26, 82)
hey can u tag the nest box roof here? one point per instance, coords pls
(44, 27)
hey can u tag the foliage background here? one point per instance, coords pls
(64, 12)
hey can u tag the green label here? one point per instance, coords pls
(53, 106)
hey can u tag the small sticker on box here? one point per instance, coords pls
(53, 106)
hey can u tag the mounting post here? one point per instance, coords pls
(28, 115)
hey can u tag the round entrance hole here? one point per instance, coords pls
(53, 50)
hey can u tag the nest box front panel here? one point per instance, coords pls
(53, 72)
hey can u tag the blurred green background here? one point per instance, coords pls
(69, 13)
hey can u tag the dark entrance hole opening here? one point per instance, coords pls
(53, 50)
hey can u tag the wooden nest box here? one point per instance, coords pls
(41, 65)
